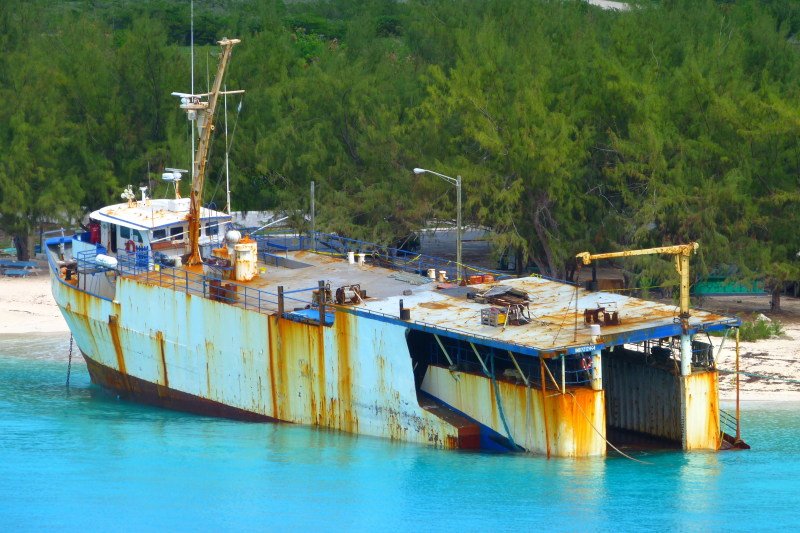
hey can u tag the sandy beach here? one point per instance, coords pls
(27, 306)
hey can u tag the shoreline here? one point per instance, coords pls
(27, 307)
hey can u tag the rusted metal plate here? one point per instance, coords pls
(566, 425)
(701, 397)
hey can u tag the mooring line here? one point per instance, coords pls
(69, 364)
(603, 436)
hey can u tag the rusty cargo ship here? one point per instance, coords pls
(171, 306)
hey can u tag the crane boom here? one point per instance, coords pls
(199, 170)
(681, 252)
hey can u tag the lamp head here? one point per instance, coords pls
(419, 171)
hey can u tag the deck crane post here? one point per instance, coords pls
(203, 113)
(681, 252)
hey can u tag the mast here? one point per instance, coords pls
(205, 121)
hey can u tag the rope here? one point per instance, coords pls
(500, 407)
(569, 306)
(603, 436)
(69, 364)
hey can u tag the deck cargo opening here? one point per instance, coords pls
(643, 387)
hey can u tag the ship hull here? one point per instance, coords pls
(168, 347)
(190, 353)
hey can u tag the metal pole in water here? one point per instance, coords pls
(738, 432)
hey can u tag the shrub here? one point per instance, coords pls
(759, 329)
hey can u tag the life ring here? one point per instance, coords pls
(586, 364)
(130, 246)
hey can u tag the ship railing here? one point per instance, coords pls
(217, 289)
(395, 258)
(87, 261)
(136, 261)
(281, 243)
(727, 422)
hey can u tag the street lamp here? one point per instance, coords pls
(457, 182)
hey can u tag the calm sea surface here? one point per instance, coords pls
(80, 459)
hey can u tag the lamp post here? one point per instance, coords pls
(457, 182)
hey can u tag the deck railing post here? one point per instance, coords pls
(321, 302)
(280, 301)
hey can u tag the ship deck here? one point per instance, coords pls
(556, 308)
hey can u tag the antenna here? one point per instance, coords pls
(174, 175)
(227, 150)
(191, 126)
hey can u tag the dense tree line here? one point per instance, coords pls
(573, 128)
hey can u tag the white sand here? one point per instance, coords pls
(27, 306)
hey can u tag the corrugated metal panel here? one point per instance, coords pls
(641, 397)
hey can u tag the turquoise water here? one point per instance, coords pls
(80, 459)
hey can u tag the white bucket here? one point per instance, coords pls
(442, 276)
(351, 258)
(361, 259)
(594, 330)
(432, 273)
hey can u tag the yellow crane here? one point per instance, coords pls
(681, 252)
(203, 112)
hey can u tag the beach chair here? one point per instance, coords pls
(16, 272)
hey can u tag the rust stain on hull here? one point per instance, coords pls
(347, 420)
(113, 328)
(163, 368)
(546, 422)
(273, 350)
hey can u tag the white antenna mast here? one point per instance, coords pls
(191, 124)
(227, 166)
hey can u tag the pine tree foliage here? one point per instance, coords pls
(572, 127)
